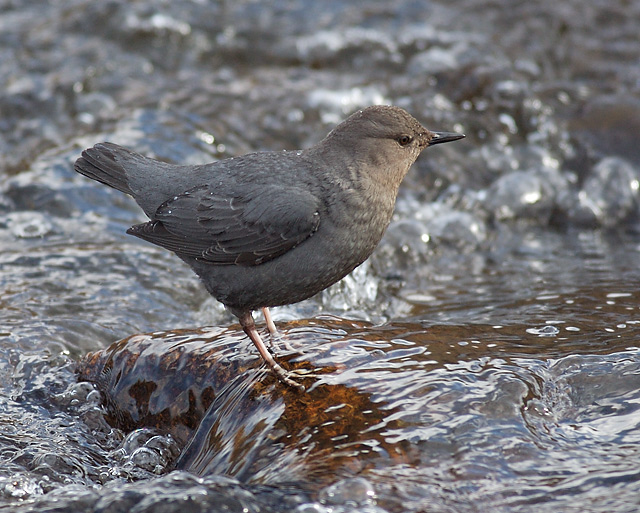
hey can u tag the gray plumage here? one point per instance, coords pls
(273, 228)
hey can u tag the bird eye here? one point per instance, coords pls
(403, 140)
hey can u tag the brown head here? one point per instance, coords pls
(382, 142)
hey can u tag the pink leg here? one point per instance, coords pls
(270, 325)
(273, 331)
(249, 327)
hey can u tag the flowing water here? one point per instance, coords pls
(487, 356)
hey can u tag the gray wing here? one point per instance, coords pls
(247, 228)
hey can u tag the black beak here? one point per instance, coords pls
(443, 137)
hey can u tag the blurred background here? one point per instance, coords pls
(529, 224)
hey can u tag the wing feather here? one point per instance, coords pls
(245, 228)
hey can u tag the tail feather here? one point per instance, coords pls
(150, 182)
(103, 163)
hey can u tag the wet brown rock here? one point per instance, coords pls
(162, 380)
(231, 415)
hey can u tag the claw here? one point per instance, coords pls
(303, 373)
(249, 327)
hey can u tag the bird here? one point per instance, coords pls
(272, 228)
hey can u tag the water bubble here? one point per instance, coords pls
(146, 458)
(609, 195)
(545, 331)
(458, 229)
(353, 492)
(145, 449)
(206, 137)
(522, 194)
(19, 487)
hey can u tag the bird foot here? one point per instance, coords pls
(286, 377)
(290, 377)
(303, 373)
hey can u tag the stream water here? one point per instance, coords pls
(487, 356)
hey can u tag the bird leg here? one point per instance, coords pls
(269, 320)
(249, 327)
(273, 331)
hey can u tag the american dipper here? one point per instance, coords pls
(273, 228)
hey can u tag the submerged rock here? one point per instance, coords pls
(162, 380)
(208, 389)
